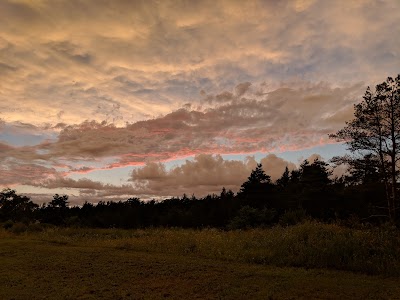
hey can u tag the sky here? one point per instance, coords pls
(106, 100)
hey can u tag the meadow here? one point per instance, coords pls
(308, 261)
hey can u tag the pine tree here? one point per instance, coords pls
(284, 180)
(256, 178)
(375, 129)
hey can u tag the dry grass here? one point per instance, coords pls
(309, 245)
(207, 264)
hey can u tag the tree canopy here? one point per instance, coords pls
(375, 131)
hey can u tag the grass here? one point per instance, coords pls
(206, 264)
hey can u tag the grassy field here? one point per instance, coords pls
(207, 264)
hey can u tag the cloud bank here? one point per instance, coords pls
(272, 121)
(72, 60)
(99, 85)
(204, 174)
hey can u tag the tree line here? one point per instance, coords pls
(308, 192)
(368, 192)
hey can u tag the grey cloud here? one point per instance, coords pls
(132, 85)
(204, 175)
(242, 88)
(275, 166)
(84, 184)
(224, 97)
(14, 173)
(314, 157)
(5, 68)
(90, 190)
(71, 52)
(19, 12)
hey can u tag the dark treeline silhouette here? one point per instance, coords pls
(308, 192)
(367, 193)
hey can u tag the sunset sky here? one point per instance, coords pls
(114, 99)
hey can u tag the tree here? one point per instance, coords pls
(375, 130)
(255, 188)
(256, 178)
(56, 211)
(16, 207)
(284, 180)
(59, 201)
(315, 175)
(364, 170)
(314, 190)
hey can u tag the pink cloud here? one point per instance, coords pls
(267, 123)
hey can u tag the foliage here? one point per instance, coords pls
(284, 180)
(256, 177)
(248, 217)
(59, 201)
(375, 131)
(293, 217)
(15, 207)
(253, 191)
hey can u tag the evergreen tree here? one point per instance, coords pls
(256, 178)
(284, 180)
(254, 190)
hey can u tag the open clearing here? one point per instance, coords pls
(49, 266)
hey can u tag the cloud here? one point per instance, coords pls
(242, 88)
(22, 134)
(16, 173)
(87, 85)
(90, 188)
(275, 166)
(314, 157)
(124, 67)
(284, 119)
(287, 118)
(203, 175)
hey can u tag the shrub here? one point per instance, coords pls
(19, 228)
(36, 227)
(293, 217)
(8, 224)
(249, 217)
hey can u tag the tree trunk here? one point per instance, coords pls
(387, 189)
(394, 187)
(393, 154)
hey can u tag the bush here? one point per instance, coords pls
(73, 221)
(19, 228)
(8, 224)
(36, 227)
(293, 217)
(249, 217)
